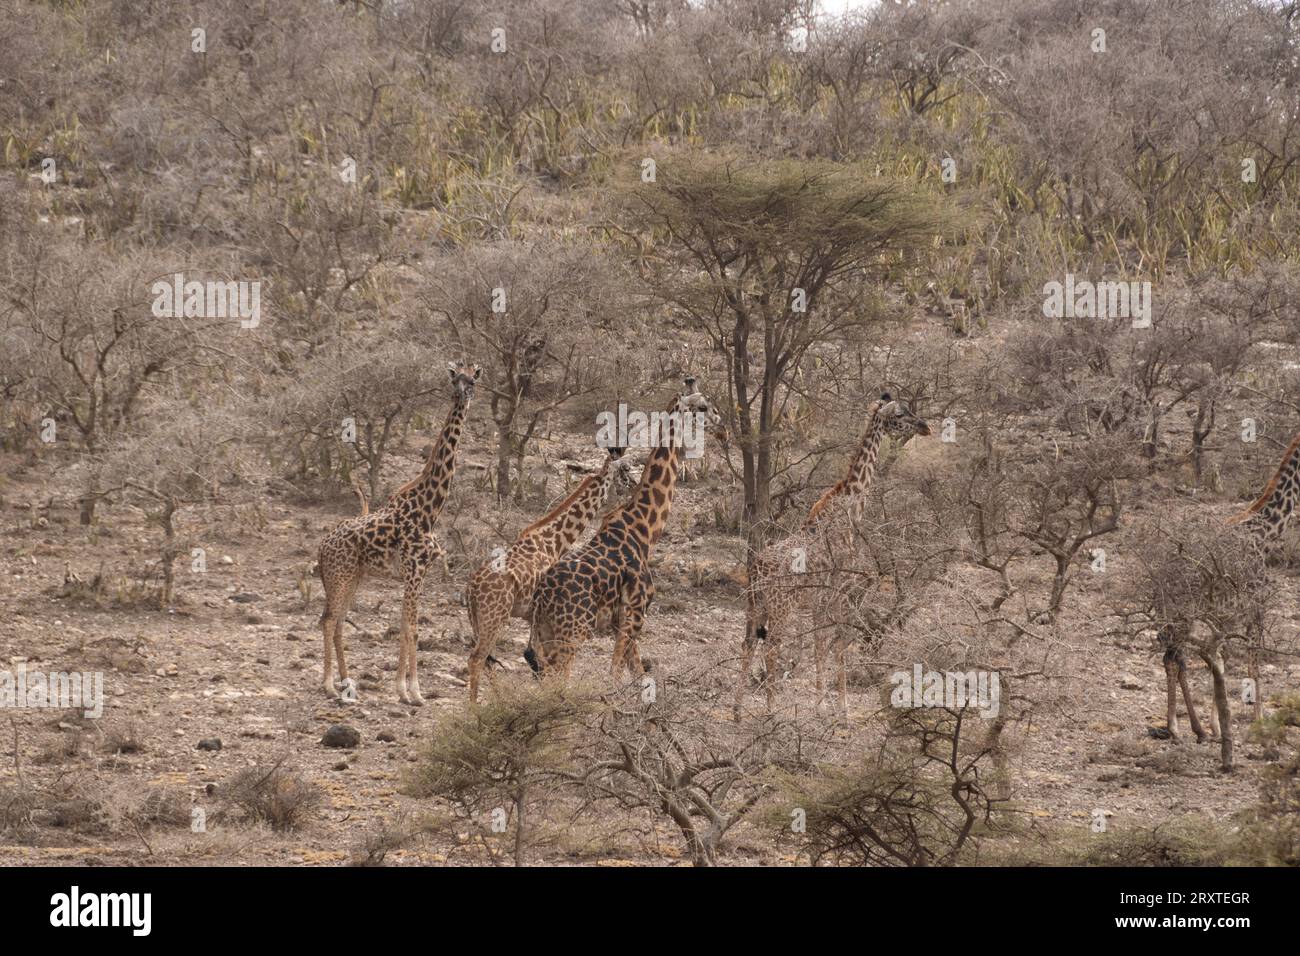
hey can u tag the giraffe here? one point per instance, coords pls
(607, 581)
(503, 586)
(395, 541)
(1265, 521)
(779, 582)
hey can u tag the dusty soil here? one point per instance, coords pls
(238, 657)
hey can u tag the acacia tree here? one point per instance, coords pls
(357, 395)
(176, 458)
(97, 352)
(769, 259)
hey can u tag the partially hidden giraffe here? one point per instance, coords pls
(786, 573)
(502, 587)
(1266, 520)
(607, 581)
(395, 541)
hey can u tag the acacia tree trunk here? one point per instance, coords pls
(503, 413)
(168, 552)
(756, 433)
(1201, 428)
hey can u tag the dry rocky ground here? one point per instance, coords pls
(238, 658)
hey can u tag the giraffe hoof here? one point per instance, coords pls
(415, 700)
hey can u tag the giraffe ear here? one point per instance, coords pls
(689, 381)
(616, 453)
(477, 372)
(885, 397)
(451, 370)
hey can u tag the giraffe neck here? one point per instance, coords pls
(564, 524)
(646, 512)
(851, 491)
(431, 486)
(1270, 513)
(574, 521)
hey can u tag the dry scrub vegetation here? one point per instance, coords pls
(591, 199)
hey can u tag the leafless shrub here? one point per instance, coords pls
(919, 800)
(657, 747)
(124, 738)
(274, 795)
(389, 835)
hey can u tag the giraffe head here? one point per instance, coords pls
(898, 420)
(692, 403)
(624, 479)
(463, 377)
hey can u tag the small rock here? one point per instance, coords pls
(341, 765)
(227, 559)
(1129, 682)
(341, 735)
(245, 597)
(386, 736)
(209, 743)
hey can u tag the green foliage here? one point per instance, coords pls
(481, 757)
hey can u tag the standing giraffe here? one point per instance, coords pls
(1266, 520)
(780, 577)
(503, 586)
(608, 579)
(396, 541)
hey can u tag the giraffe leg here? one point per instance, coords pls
(345, 606)
(410, 609)
(408, 673)
(746, 660)
(771, 668)
(1191, 708)
(568, 652)
(560, 649)
(1221, 714)
(400, 680)
(1171, 695)
(327, 627)
(489, 631)
(1216, 728)
(338, 599)
(1252, 670)
(635, 598)
(842, 658)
